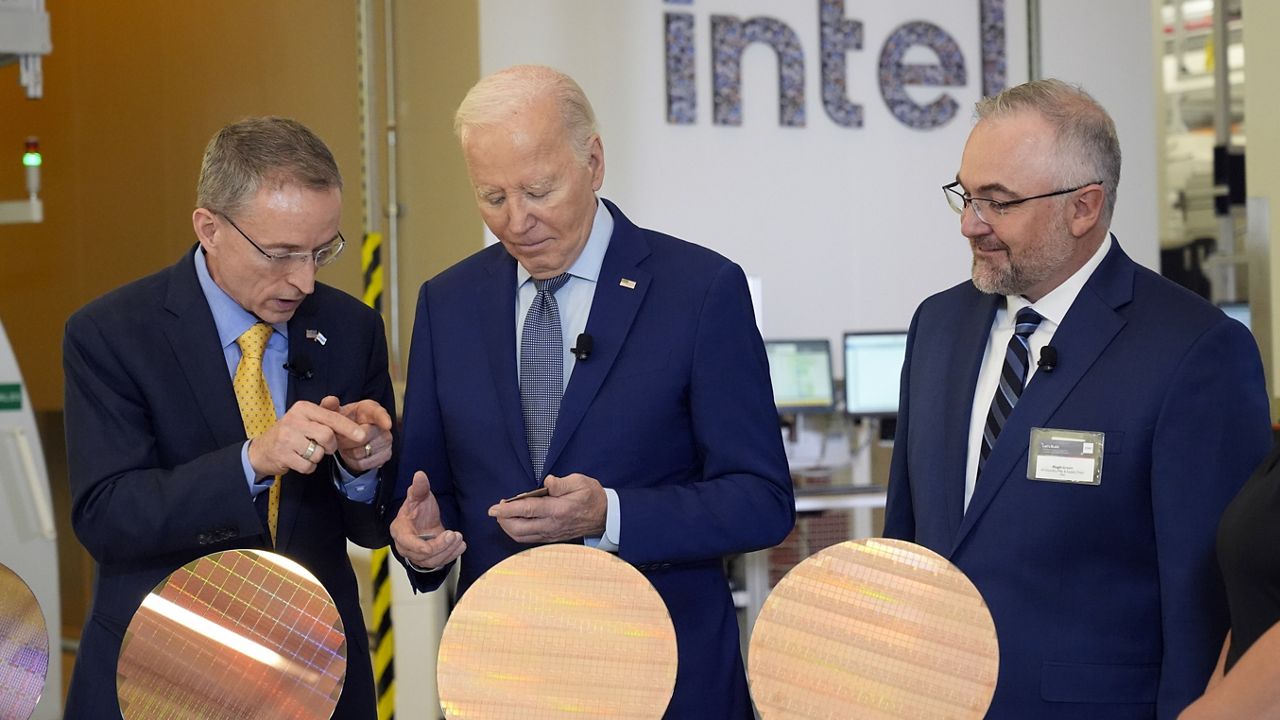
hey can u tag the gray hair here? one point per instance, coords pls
(496, 98)
(245, 156)
(1087, 147)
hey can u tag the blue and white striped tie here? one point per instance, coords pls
(542, 369)
(1013, 377)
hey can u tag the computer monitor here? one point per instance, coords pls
(801, 375)
(1237, 311)
(872, 369)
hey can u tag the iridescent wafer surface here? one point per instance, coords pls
(24, 647)
(235, 634)
(875, 629)
(558, 631)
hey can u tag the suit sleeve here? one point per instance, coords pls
(1212, 430)
(743, 500)
(899, 511)
(125, 507)
(365, 523)
(423, 447)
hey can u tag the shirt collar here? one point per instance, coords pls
(591, 259)
(229, 318)
(1053, 307)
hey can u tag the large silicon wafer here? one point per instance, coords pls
(24, 647)
(558, 631)
(236, 634)
(874, 629)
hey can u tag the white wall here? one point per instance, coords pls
(847, 227)
(1262, 168)
(1107, 47)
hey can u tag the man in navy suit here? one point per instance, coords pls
(665, 448)
(161, 470)
(1085, 509)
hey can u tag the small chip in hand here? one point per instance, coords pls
(540, 492)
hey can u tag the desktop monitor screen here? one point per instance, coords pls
(801, 375)
(872, 369)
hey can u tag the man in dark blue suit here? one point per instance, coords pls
(664, 447)
(1084, 506)
(164, 467)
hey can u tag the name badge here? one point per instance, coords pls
(1066, 456)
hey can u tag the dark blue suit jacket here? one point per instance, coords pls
(153, 440)
(1107, 600)
(673, 409)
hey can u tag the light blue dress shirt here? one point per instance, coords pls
(231, 321)
(574, 302)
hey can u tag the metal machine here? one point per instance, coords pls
(25, 39)
(28, 535)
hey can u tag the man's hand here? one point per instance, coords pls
(301, 438)
(575, 508)
(360, 456)
(419, 516)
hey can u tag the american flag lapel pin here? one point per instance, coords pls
(317, 336)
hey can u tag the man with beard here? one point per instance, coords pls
(1072, 425)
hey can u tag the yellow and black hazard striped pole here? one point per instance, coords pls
(384, 639)
(371, 270)
(384, 643)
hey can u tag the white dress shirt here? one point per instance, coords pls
(1053, 308)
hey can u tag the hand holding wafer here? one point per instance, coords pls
(564, 508)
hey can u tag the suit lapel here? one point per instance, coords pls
(1086, 331)
(495, 307)
(306, 382)
(308, 356)
(613, 308)
(972, 329)
(193, 338)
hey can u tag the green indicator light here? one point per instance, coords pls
(31, 159)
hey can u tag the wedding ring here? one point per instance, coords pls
(311, 450)
(368, 449)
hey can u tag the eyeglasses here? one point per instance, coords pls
(287, 262)
(992, 211)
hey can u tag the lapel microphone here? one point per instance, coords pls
(1048, 358)
(299, 368)
(582, 349)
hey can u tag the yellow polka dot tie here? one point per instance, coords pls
(256, 408)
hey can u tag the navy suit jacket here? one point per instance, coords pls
(1107, 600)
(673, 410)
(154, 437)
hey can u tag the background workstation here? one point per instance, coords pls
(841, 224)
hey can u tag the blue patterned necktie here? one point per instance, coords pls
(1013, 376)
(542, 369)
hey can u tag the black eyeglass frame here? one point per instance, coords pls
(1000, 206)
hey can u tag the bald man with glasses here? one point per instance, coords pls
(1072, 426)
(231, 401)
